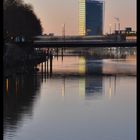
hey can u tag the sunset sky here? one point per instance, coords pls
(54, 13)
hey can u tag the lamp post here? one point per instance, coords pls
(119, 27)
(110, 28)
(63, 31)
(114, 27)
(63, 35)
(118, 20)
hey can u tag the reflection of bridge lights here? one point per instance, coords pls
(7, 82)
(110, 92)
(63, 88)
(16, 87)
(82, 87)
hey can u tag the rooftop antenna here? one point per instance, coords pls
(118, 20)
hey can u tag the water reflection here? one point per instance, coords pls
(20, 93)
(93, 87)
(79, 96)
(74, 96)
(93, 65)
(93, 61)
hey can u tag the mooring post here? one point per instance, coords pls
(42, 70)
(45, 69)
(51, 57)
(62, 53)
(57, 52)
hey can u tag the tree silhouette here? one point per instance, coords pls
(20, 20)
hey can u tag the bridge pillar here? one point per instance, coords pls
(51, 59)
(42, 70)
(57, 53)
(62, 53)
(45, 70)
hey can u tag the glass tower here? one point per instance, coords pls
(90, 17)
(82, 17)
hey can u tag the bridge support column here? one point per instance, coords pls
(57, 53)
(42, 71)
(51, 59)
(45, 70)
(62, 53)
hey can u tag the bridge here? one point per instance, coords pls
(77, 44)
(82, 43)
(77, 41)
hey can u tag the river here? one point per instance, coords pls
(79, 98)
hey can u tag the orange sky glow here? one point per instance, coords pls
(54, 13)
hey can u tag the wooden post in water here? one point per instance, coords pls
(62, 53)
(42, 70)
(47, 60)
(57, 52)
(51, 57)
(45, 70)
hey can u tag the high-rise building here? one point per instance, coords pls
(82, 17)
(91, 17)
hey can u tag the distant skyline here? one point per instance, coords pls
(54, 13)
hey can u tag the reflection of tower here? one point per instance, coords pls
(82, 86)
(82, 70)
(93, 87)
(82, 65)
(93, 66)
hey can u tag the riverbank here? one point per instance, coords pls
(20, 60)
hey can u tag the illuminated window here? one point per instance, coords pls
(82, 17)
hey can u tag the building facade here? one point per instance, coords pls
(82, 17)
(91, 17)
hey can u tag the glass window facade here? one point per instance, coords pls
(82, 17)
(90, 17)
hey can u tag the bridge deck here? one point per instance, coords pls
(78, 43)
(83, 43)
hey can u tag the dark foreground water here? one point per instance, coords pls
(73, 102)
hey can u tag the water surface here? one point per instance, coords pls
(74, 102)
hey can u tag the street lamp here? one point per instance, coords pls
(118, 20)
(114, 27)
(63, 30)
(110, 28)
(63, 36)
